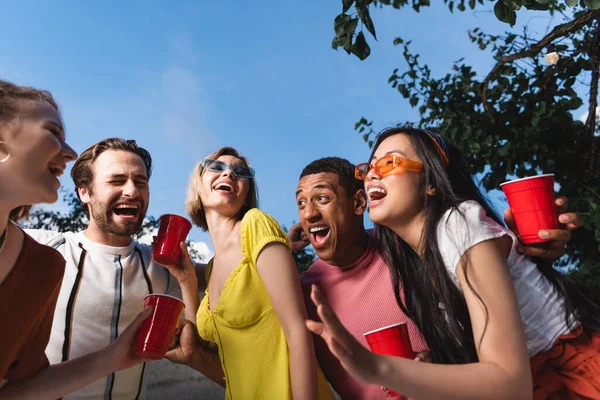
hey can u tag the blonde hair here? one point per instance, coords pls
(193, 203)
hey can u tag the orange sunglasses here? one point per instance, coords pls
(385, 165)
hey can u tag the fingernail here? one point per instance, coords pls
(544, 234)
(560, 202)
(563, 218)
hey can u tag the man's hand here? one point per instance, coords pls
(298, 238)
(557, 239)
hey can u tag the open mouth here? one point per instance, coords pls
(223, 187)
(56, 170)
(126, 210)
(319, 235)
(376, 194)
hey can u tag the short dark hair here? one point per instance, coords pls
(82, 172)
(343, 168)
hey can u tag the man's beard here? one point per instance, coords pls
(103, 217)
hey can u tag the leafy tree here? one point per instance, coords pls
(518, 119)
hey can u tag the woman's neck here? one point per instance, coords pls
(221, 228)
(411, 231)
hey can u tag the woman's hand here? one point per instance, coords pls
(184, 270)
(120, 354)
(361, 363)
(557, 239)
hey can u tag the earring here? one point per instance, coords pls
(4, 149)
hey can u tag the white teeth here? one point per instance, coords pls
(376, 189)
(318, 229)
(55, 169)
(223, 185)
(127, 206)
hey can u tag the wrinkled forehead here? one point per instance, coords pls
(320, 181)
(119, 163)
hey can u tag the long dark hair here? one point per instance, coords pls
(431, 299)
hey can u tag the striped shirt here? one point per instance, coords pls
(362, 296)
(102, 292)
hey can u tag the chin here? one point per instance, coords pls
(50, 197)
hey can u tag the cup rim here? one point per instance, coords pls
(164, 295)
(385, 327)
(174, 215)
(524, 179)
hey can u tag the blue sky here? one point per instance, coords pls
(185, 78)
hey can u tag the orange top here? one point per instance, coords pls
(27, 299)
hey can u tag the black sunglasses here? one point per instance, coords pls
(241, 171)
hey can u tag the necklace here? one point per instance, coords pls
(3, 238)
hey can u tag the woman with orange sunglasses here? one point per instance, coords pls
(505, 318)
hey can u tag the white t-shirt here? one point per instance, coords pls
(542, 307)
(102, 292)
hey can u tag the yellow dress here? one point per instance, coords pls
(252, 346)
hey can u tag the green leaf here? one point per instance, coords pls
(592, 4)
(346, 4)
(504, 13)
(365, 17)
(366, 137)
(360, 48)
(414, 101)
(572, 3)
(461, 6)
(472, 4)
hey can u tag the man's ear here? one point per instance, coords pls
(431, 191)
(360, 202)
(84, 195)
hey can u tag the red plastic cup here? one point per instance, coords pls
(173, 230)
(391, 340)
(531, 201)
(157, 330)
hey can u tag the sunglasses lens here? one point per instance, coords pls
(361, 171)
(243, 171)
(385, 165)
(215, 165)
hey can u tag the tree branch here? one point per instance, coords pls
(590, 123)
(557, 32)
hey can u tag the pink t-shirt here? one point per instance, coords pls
(362, 296)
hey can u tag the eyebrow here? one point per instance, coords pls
(121, 176)
(319, 186)
(57, 126)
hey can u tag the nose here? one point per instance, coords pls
(228, 172)
(372, 175)
(67, 153)
(130, 190)
(311, 213)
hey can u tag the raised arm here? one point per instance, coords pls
(503, 370)
(280, 277)
(186, 274)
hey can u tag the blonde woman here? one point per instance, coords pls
(253, 309)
